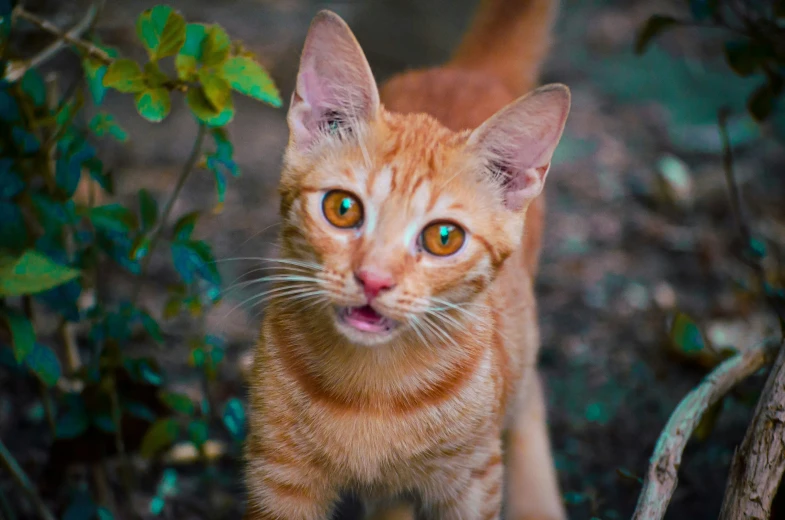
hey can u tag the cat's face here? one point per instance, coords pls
(393, 224)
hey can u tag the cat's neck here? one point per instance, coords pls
(333, 369)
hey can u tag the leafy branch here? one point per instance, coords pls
(55, 244)
(150, 244)
(16, 69)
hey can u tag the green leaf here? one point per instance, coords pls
(13, 231)
(95, 71)
(762, 101)
(154, 76)
(234, 418)
(113, 217)
(215, 46)
(184, 226)
(33, 85)
(686, 335)
(216, 90)
(187, 61)
(44, 363)
(148, 209)
(32, 273)
(11, 184)
(219, 162)
(743, 57)
(204, 111)
(140, 248)
(178, 402)
(161, 434)
(153, 104)
(139, 410)
(198, 432)
(125, 75)
(104, 514)
(220, 189)
(249, 78)
(104, 123)
(161, 30)
(152, 327)
(195, 258)
(653, 27)
(141, 370)
(22, 333)
(74, 421)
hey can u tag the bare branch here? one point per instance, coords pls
(662, 475)
(10, 464)
(759, 462)
(16, 69)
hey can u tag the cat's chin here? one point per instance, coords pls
(365, 326)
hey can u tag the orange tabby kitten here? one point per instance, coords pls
(397, 357)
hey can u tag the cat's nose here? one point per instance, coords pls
(374, 281)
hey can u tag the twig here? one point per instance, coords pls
(759, 462)
(662, 475)
(156, 233)
(16, 69)
(23, 481)
(745, 234)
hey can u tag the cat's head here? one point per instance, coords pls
(393, 224)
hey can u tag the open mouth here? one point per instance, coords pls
(365, 319)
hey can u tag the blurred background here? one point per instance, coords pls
(639, 229)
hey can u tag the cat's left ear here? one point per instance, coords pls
(335, 86)
(518, 142)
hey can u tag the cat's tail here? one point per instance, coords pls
(509, 39)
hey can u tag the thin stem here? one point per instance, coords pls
(15, 70)
(126, 469)
(743, 227)
(730, 178)
(23, 481)
(161, 225)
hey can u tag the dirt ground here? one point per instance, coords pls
(621, 252)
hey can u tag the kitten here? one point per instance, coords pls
(397, 354)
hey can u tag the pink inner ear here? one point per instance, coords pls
(521, 138)
(334, 77)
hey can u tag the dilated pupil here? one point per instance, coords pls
(346, 205)
(444, 234)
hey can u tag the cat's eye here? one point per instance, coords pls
(342, 209)
(442, 238)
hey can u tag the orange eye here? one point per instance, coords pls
(342, 209)
(442, 238)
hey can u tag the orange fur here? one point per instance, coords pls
(437, 408)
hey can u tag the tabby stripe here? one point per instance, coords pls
(491, 463)
(319, 391)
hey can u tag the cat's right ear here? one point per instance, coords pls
(335, 86)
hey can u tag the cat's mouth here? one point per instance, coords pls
(366, 319)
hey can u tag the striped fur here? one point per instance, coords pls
(443, 417)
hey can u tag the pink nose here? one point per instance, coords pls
(373, 282)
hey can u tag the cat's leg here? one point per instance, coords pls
(474, 494)
(285, 486)
(532, 486)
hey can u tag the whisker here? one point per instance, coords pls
(302, 286)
